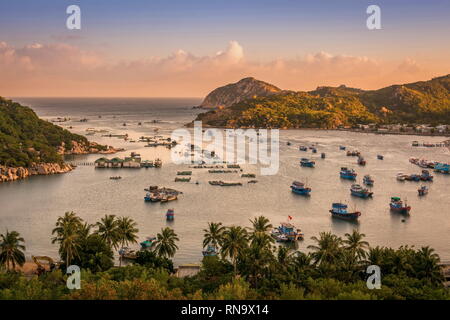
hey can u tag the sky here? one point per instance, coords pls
(186, 48)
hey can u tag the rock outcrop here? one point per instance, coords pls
(12, 173)
(230, 94)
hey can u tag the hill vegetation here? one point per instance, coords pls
(26, 139)
(332, 107)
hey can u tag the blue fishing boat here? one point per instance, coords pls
(442, 168)
(349, 174)
(358, 191)
(397, 205)
(170, 215)
(210, 251)
(305, 162)
(339, 210)
(287, 232)
(341, 147)
(314, 150)
(368, 180)
(423, 190)
(303, 148)
(413, 177)
(380, 157)
(426, 176)
(300, 188)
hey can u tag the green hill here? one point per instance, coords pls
(24, 138)
(331, 107)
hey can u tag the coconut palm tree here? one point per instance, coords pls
(427, 265)
(126, 232)
(355, 243)
(235, 239)
(11, 250)
(327, 249)
(165, 244)
(107, 229)
(261, 224)
(213, 235)
(260, 227)
(68, 235)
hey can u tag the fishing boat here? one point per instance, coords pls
(170, 215)
(288, 143)
(358, 191)
(305, 162)
(182, 179)
(368, 180)
(300, 188)
(287, 232)
(380, 157)
(442, 168)
(314, 150)
(148, 242)
(397, 205)
(127, 253)
(349, 174)
(303, 148)
(401, 176)
(426, 176)
(184, 173)
(339, 210)
(248, 175)
(116, 178)
(361, 161)
(323, 155)
(168, 198)
(412, 177)
(341, 147)
(151, 197)
(423, 190)
(210, 251)
(354, 153)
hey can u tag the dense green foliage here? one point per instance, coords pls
(249, 266)
(24, 138)
(328, 107)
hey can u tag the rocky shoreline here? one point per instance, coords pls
(8, 174)
(12, 173)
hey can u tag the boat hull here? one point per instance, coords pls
(345, 216)
(404, 210)
(362, 194)
(303, 192)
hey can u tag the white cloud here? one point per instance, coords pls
(46, 69)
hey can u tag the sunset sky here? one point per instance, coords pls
(180, 48)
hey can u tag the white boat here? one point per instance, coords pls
(401, 176)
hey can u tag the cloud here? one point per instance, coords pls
(66, 70)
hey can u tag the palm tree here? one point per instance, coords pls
(68, 235)
(428, 265)
(327, 249)
(213, 235)
(107, 229)
(235, 239)
(355, 243)
(126, 232)
(165, 245)
(261, 224)
(260, 227)
(11, 250)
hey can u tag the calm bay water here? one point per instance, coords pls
(32, 206)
